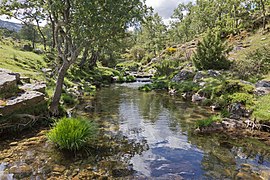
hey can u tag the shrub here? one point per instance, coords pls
(233, 86)
(72, 133)
(211, 53)
(208, 121)
(243, 98)
(262, 109)
(156, 85)
(185, 86)
(171, 50)
(146, 87)
(68, 99)
(166, 67)
(128, 66)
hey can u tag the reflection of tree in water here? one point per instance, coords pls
(222, 158)
(150, 106)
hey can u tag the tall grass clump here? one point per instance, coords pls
(72, 134)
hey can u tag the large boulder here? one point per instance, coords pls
(24, 101)
(184, 74)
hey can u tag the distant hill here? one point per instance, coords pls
(10, 25)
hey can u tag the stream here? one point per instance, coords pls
(144, 136)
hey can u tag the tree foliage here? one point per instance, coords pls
(211, 53)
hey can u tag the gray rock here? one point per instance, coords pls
(263, 84)
(198, 76)
(8, 83)
(25, 79)
(26, 100)
(34, 87)
(46, 70)
(27, 47)
(262, 88)
(213, 73)
(246, 82)
(5, 71)
(183, 75)
(237, 110)
(38, 51)
(196, 98)
(260, 91)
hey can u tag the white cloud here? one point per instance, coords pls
(165, 7)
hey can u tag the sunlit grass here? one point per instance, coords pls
(72, 134)
(26, 63)
(262, 109)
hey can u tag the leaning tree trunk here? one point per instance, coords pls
(58, 89)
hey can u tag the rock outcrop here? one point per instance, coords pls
(184, 74)
(17, 100)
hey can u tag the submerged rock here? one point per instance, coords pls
(21, 171)
(226, 124)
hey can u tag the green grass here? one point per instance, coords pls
(256, 41)
(262, 109)
(208, 121)
(26, 63)
(72, 134)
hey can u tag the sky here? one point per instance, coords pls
(163, 7)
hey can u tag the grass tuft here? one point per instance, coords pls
(72, 134)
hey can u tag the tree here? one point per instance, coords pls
(28, 12)
(152, 34)
(81, 23)
(28, 32)
(211, 53)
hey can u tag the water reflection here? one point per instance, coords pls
(165, 123)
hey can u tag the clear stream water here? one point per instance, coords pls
(144, 136)
(165, 125)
